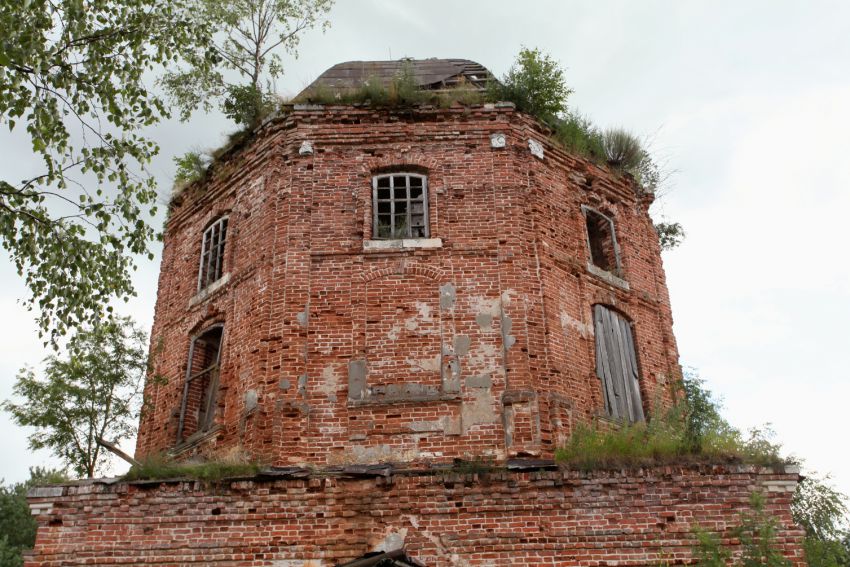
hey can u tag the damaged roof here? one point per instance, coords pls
(429, 74)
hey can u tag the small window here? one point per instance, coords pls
(616, 364)
(212, 253)
(400, 206)
(200, 390)
(602, 241)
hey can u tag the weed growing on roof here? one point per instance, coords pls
(691, 431)
(578, 134)
(535, 84)
(623, 150)
(159, 467)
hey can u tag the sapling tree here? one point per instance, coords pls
(92, 392)
(535, 84)
(251, 36)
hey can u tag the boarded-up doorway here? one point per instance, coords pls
(616, 364)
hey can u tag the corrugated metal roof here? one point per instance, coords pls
(429, 74)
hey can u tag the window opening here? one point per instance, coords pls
(602, 241)
(212, 253)
(400, 205)
(200, 389)
(616, 364)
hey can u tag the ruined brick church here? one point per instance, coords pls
(362, 298)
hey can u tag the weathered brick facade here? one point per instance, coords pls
(637, 518)
(319, 345)
(340, 348)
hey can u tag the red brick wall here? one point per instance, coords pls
(484, 342)
(624, 518)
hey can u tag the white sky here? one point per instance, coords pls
(749, 104)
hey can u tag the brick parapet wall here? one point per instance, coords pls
(544, 517)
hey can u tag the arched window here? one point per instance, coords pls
(400, 206)
(616, 364)
(200, 387)
(602, 241)
(212, 253)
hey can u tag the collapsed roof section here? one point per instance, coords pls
(429, 74)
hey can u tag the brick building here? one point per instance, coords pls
(415, 284)
(356, 297)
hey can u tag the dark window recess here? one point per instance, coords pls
(616, 364)
(602, 242)
(400, 206)
(200, 390)
(212, 253)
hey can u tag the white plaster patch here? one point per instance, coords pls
(536, 148)
(425, 315)
(425, 364)
(479, 411)
(488, 305)
(329, 382)
(361, 455)
(394, 331)
(483, 358)
(585, 330)
(393, 539)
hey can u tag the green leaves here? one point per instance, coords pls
(822, 511)
(72, 76)
(17, 524)
(670, 234)
(535, 84)
(91, 392)
(252, 33)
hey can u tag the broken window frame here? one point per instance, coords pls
(617, 269)
(617, 366)
(209, 397)
(409, 202)
(211, 263)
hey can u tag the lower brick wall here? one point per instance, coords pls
(299, 518)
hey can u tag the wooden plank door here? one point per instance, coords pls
(616, 364)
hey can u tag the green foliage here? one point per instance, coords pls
(92, 392)
(690, 431)
(251, 33)
(578, 134)
(622, 149)
(757, 534)
(160, 467)
(191, 167)
(822, 511)
(17, 525)
(709, 551)
(827, 553)
(72, 76)
(670, 234)
(246, 104)
(819, 508)
(535, 84)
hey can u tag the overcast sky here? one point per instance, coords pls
(747, 102)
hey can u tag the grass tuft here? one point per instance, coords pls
(162, 468)
(692, 431)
